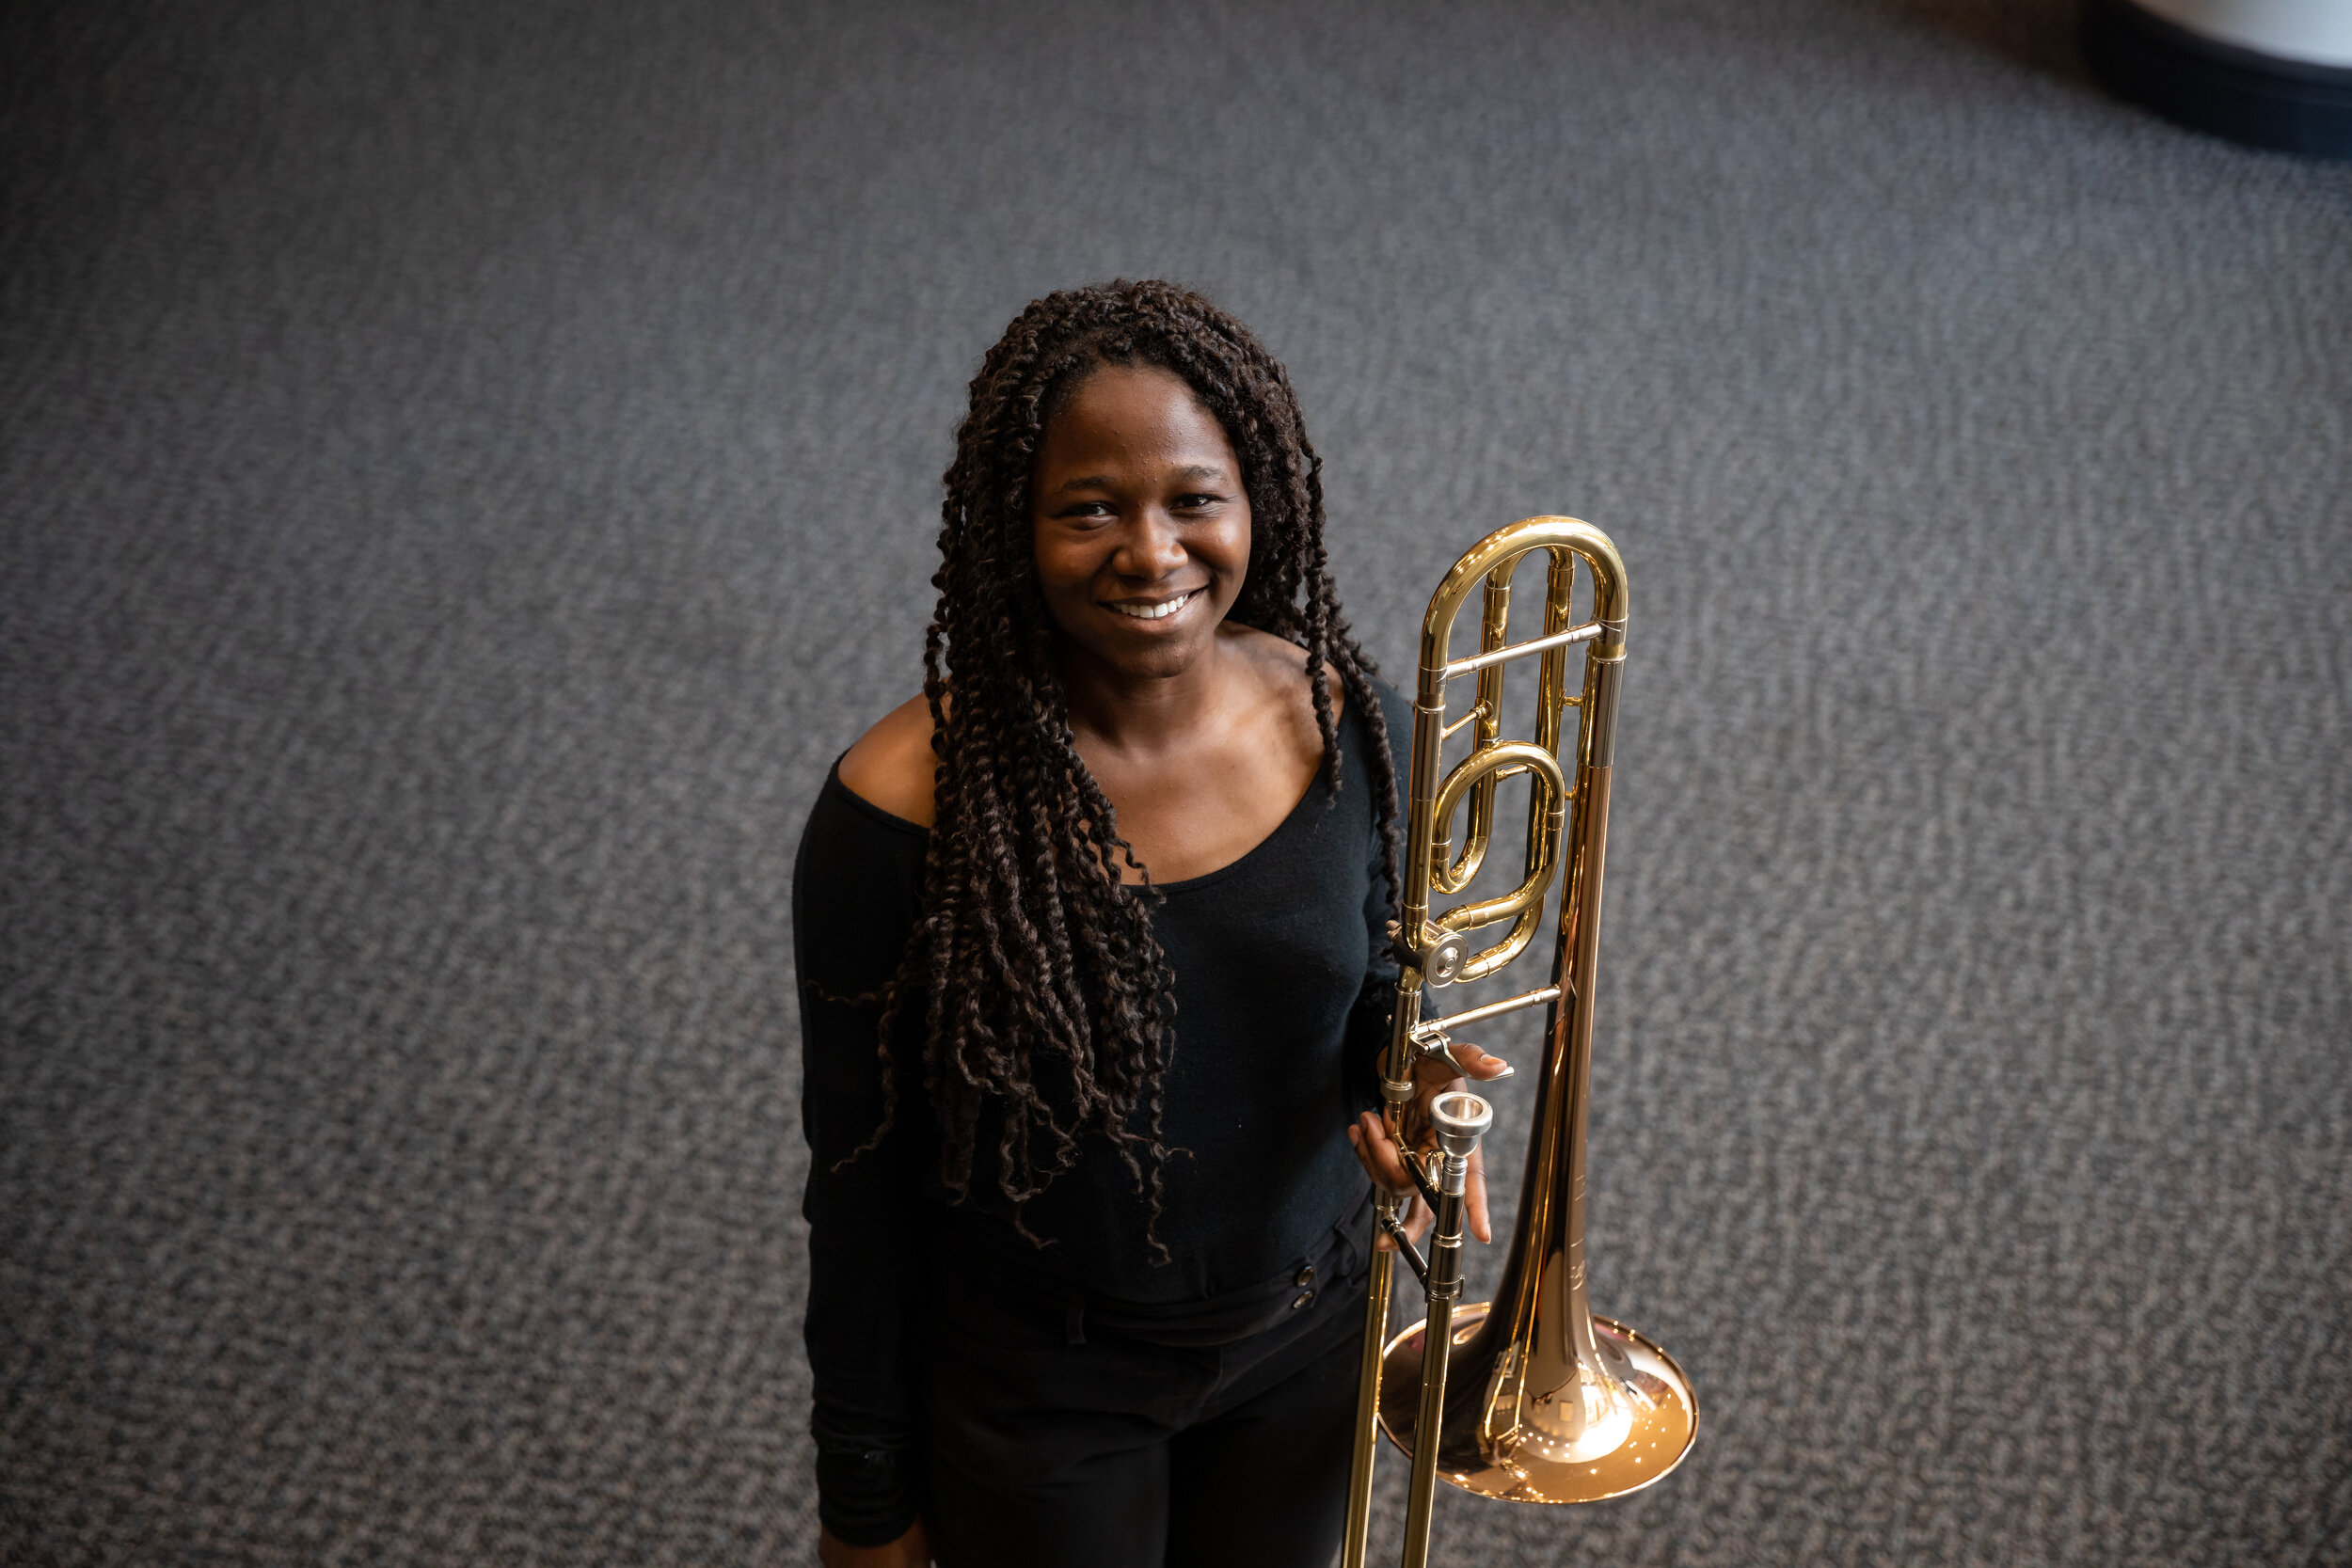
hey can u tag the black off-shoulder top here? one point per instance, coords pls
(1282, 994)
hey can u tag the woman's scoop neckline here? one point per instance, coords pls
(1298, 809)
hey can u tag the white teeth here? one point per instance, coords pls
(1154, 612)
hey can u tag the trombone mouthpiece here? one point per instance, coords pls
(1461, 1119)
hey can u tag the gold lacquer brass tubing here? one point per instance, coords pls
(1539, 1402)
(1585, 633)
(1493, 631)
(1476, 779)
(1368, 1405)
(1495, 1009)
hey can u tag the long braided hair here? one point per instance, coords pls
(1049, 1006)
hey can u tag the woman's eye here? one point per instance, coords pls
(1196, 502)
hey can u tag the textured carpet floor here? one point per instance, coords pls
(465, 471)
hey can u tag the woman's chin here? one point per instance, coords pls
(1136, 649)
(1163, 663)
(1152, 655)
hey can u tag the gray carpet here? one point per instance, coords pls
(466, 471)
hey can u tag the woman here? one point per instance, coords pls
(1092, 944)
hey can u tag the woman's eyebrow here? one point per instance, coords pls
(1103, 482)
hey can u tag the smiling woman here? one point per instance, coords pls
(1092, 943)
(1199, 729)
(1139, 511)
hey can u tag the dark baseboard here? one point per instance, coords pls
(2210, 86)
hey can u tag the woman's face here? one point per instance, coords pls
(1140, 521)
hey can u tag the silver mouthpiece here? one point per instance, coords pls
(1461, 1119)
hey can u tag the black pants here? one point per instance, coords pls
(1113, 1453)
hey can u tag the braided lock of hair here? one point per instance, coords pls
(1046, 994)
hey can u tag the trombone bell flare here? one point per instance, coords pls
(1606, 1442)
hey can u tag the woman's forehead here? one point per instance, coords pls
(1135, 414)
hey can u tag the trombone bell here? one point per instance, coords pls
(1592, 1438)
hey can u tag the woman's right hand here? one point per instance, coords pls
(1384, 1162)
(911, 1551)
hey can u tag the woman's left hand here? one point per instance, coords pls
(1385, 1164)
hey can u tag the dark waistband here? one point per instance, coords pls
(1342, 1259)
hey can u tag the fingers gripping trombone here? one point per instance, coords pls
(1529, 1398)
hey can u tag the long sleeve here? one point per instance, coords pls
(855, 897)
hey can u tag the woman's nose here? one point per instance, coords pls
(1152, 547)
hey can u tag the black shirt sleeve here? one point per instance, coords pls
(856, 893)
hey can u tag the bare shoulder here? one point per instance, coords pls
(891, 765)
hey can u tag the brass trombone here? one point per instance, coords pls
(1529, 1398)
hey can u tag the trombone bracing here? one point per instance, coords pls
(1531, 1397)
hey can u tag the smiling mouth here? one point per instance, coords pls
(1156, 611)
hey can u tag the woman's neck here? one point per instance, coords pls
(1142, 714)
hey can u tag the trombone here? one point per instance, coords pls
(1529, 1398)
